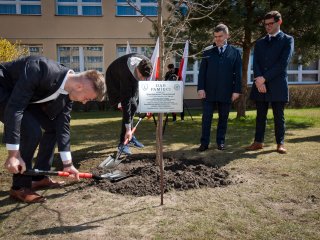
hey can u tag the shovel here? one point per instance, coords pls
(112, 176)
(111, 162)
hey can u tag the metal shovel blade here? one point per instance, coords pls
(110, 163)
(114, 176)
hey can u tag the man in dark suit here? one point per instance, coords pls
(270, 61)
(36, 97)
(219, 84)
(122, 78)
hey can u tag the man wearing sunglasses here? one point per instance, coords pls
(271, 57)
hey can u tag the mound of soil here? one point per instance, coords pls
(179, 174)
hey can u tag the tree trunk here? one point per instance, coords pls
(246, 46)
(159, 147)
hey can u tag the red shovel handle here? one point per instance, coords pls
(132, 131)
(63, 174)
(85, 175)
(81, 175)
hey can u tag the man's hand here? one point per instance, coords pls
(202, 94)
(14, 162)
(68, 167)
(235, 96)
(259, 81)
(262, 88)
(128, 134)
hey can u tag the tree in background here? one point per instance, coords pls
(10, 51)
(244, 19)
(180, 16)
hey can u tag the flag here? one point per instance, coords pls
(155, 61)
(183, 64)
(128, 50)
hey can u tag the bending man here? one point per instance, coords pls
(36, 95)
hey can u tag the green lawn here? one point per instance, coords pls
(273, 196)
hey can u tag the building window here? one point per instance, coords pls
(79, 7)
(23, 7)
(192, 70)
(81, 58)
(147, 7)
(33, 50)
(297, 73)
(144, 50)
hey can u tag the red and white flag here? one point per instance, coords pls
(128, 49)
(183, 64)
(155, 61)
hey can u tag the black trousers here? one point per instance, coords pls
(261, 120)
(36, 130)
(207, 114)
(133, 109)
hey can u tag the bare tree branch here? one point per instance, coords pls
(131, 4)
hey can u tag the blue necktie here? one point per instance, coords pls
(221, 50)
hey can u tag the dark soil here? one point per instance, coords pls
(179, 174)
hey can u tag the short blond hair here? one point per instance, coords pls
(98, 82)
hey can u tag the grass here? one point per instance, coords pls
(274, 196)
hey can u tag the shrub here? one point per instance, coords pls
(9, 51)
(299, 96)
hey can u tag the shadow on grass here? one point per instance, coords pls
(240, 133)
(79, 227)
(305, 139)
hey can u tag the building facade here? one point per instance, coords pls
(90, 34)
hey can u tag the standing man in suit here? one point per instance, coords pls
(270, 62)
(219, 84)
(122, 77)
(36, 97)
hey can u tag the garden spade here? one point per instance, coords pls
(112, 162)
(114, 176)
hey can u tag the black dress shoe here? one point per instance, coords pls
(202, 148)
(221, 147)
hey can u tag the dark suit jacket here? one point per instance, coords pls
(270, 60)
(27, 80)
(220, 75)
(122, 86)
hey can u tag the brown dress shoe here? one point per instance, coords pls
(27, 196)
(255, 146)
(281, 149)
(46, 183)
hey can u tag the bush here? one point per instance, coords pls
(304, 96)
(9, 51)
(299, 96)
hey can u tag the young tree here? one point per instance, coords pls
(171, 31)
(10, 51)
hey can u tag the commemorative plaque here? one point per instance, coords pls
(160, 96)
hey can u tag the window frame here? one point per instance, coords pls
(79, 4)
(133, 48)
(139, 5)
(82, 58)
(29, 46)
(299, 72)
(19, 3)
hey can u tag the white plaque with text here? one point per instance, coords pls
(160, 96)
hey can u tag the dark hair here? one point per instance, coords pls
(145, 68)
(221, 28)
(170, 66)
(273, 14)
